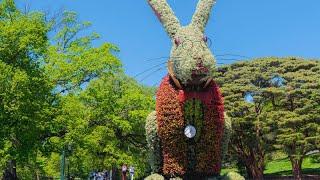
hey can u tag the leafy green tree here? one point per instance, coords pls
(101, 111)
(120, 107)
(105, 125)
(72, 60)
(271, 101)
(25, 97)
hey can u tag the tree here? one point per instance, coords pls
(251, 139)
(72, 60)
(104, 125)
(298, 111)
(101, 110)
(119, 107)
(25, 97)
(272, 101)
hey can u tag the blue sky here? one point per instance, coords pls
(252, 28)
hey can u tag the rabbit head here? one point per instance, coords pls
(191, 61)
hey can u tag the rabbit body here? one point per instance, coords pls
(187, 96)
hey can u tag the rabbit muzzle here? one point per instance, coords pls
(198, 79)
(199, 76)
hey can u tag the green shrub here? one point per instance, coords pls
(154, 177)
(233, 176)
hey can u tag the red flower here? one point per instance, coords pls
(171, 123)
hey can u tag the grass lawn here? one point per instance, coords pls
(283, 167)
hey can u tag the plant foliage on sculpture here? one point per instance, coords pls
(188, 96)
(170, 120)
(190, 53)
(193, 115)
(153, 142)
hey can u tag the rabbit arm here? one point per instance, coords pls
(154, 145)
(202, 13)
(166, 16)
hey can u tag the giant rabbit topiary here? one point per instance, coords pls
(188, 95)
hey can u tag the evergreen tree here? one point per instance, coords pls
(272, 100)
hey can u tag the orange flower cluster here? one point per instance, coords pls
(171, 124)
(170, 129)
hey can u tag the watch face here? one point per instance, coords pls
(190, 131)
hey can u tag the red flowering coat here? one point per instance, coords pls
(171, 123)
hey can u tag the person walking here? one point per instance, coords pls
(131, 171)
(100, 176)
(124, 172)
(106, 175)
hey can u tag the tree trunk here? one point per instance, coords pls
(10, 173)
(255, 172)
(255, 166)
(37, 175)
(296, 168)
(13, 169)
(115, 173)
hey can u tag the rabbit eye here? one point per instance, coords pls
(207, 41)
(205, 38)
(177, 41)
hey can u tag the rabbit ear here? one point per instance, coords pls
(201, 16)
(166, 16)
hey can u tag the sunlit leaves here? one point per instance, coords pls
(72, 62)
(25, 98)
